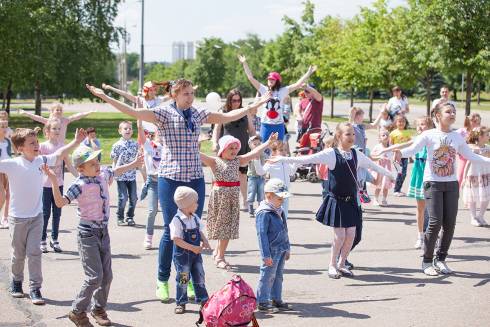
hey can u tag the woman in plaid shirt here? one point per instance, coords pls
(179, 125)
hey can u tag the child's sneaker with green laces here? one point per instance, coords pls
(191, 295)
(162, 291)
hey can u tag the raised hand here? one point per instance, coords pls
(312, 69)
(80, 135)
(273, 137)
(49, 172)
(95, 91)
(22, 111)
(242, 59)
(106, 86)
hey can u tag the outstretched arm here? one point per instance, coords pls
(255, 153)
(143, 114)
(248, 72)
(80, 115)
(37, 118)
(138, 162)
(141, 133)
(126, 95)
(208, 161)
(223, 118)
(293, 87)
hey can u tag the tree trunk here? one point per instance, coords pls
(428, 85)
(351, 97)
(478, 92)
(9, 96)
(371, 99)
(469, 90)
(4, 100)
(332, 96)
(37, 96)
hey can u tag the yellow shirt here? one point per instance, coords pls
(400, 136)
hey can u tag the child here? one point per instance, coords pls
(344, 211)
(400, 135)
(91, 190)
(91, 141)
(476, 185)
(470, 122)
(52, 130)
(224, 205)
(272, 233)
(383, 120)
(441, 183)
(255, 181)
(56, 111)
(383, 183)
(5, 153)
(123, 152)
(280, 170)
(25, 211)
(4, 116)
(152, 152)
(187, 233)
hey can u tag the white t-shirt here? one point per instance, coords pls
(441, 154)
(4, 145)
(280, 170)
(272, 112)
(396, 105)
(153, 156)
(176, 229)
(437, 101)
(26, 184)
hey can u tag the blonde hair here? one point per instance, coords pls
(339, 130)
(468, 119)
(49, 124)
(21, 134)
(354, 111)
(178, 85)
(54, 106)
(125, 122)
(476, 133)
(328, 142)
(4, 115)
(427, 120)
(4, 122)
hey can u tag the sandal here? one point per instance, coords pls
(179, 309)
(345, 272)
(222, 264)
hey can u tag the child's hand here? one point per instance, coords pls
(95, 91)
(105, 86)
(80, 135)
(22, 111)
(242, 59)
(49, 172)
(288, 255)
(140, 160)
(397, 155)
(196, 249)
(273, 137)
(205, 245)
(312, 69)
(268, 262)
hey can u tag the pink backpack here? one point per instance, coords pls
(233, 305)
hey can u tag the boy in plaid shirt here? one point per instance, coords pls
(124, 152)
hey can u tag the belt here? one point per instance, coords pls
(342, 198)
(421, 159)
(226, 184)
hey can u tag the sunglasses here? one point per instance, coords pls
(236, 100)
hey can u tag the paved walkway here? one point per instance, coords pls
(388, 289)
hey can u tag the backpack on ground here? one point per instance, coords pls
(233, 305)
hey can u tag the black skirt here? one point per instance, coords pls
(337, 211)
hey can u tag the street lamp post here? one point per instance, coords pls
(142, 51)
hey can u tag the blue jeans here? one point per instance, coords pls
(126, 189)
(189, 265)
(48, 204)
(270, 282)
(166, 190)
(255, 189)
(401, 176)
(152, 182)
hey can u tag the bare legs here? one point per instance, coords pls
(243, 189)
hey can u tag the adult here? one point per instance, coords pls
(310, 109)
(272, 116)
(241, 129)
(149, 94)
(398, 103)
(179, 126)
(444, 92)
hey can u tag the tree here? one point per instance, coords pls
(463, 30)
(209, 67)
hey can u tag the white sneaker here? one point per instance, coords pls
(419, 243)
(429, 269)
(375, 202)
(147, 244)
(4, 224)
(482, 221)
(441, 267)
(475, 222)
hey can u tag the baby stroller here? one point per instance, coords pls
(310, 142)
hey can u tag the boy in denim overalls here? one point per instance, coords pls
(272, 232)
(189, 241)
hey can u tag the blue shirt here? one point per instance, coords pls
(272, 230)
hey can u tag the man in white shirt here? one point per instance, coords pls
(444, 97)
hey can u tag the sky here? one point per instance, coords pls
(192, 20)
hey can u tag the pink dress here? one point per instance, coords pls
(384, 162)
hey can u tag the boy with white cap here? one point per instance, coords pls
(186, 231)
(272, 232)
(91, 190)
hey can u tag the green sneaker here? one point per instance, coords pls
(190, 291)
(162, 291)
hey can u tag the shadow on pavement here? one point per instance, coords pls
(391, 220)
(471, 240)
(248, 269)
(314, 246)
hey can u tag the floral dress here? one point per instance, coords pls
(224, 202)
